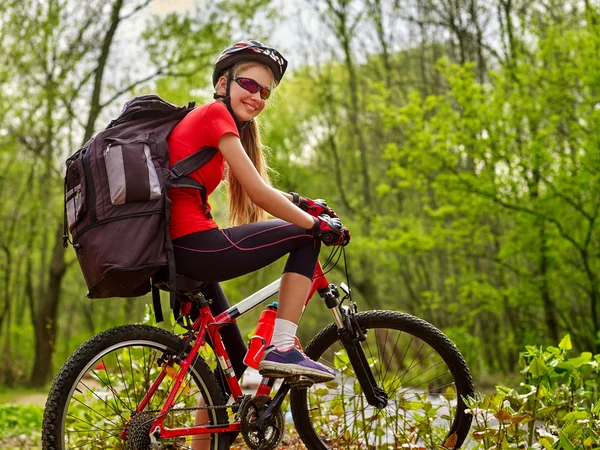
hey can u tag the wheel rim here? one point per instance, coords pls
(421, 389)
(109, 388)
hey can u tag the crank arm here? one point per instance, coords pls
(273, 405)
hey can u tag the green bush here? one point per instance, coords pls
(556, 407)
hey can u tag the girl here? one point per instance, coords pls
(244, 76)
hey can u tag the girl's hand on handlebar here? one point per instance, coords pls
(314, 207)
(330, 231)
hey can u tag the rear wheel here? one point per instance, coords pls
(100, 386)
(422, 372)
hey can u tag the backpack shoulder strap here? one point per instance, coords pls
(192, 163)
(178, 177)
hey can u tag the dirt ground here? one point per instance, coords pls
(31, 399)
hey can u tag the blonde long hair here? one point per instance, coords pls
(241, 209)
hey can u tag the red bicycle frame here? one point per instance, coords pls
(206, 322)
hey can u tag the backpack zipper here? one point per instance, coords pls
(111, 141)
(112, 219)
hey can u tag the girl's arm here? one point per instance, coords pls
(286, 195)
(275, 202)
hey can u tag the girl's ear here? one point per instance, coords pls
(222, 85)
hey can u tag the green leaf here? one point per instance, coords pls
(565, 366)
(579, 361)
(503, 390)
(575, 415)
(565, 344)
(531, 350)
(450, 393)
(547, 443)
(538, 368)
(341, 360)
(564, 441)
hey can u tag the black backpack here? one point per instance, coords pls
(116, 206)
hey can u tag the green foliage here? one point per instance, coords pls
(557, 405)
(49, 67)
(483, 158)
(17, 420)
(501, 182)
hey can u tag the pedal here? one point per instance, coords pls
(300, 381)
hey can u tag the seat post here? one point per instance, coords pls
(198, 297)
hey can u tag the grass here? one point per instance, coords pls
(20, 426)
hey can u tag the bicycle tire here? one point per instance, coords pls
(323, 433)
(85, 360)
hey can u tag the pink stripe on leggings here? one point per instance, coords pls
(240, 248)
(260, 232)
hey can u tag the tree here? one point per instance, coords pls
(60, 77)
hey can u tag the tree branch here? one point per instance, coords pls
(570, 201)
(136, 9)
(131, 86)
(503, 203)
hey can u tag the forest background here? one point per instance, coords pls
(459, 141)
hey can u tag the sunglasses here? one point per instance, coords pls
(252, 86)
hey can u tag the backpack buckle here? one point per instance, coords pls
(175, 172)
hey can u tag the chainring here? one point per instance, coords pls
(272, 435)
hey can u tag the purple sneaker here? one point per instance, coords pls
(278, 364)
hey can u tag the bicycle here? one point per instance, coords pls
(400, 383)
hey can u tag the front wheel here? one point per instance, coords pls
(422, 372)
(93, 399)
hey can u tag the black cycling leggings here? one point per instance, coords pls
(222, 254)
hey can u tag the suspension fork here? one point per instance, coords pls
(351, 336)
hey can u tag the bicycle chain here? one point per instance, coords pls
(237, 406)
(192, 408)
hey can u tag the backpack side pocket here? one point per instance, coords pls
(131, 173)
(75, 192)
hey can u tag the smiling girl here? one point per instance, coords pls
(244, 76)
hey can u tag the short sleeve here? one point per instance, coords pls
(218, 121)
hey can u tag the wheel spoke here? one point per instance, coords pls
(103, 401)
(124, 383)
(135, 397)
(85, 444)
(92, 425)
(110, 388)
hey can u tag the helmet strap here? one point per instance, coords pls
(227, 101)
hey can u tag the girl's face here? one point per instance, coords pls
(247, 105)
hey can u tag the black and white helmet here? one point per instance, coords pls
(250, 51)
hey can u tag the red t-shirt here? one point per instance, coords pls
(203, 127)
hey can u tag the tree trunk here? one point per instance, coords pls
(95, 107)
(355, 119)
(45, 317)
(594, 296)
(549, 307)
